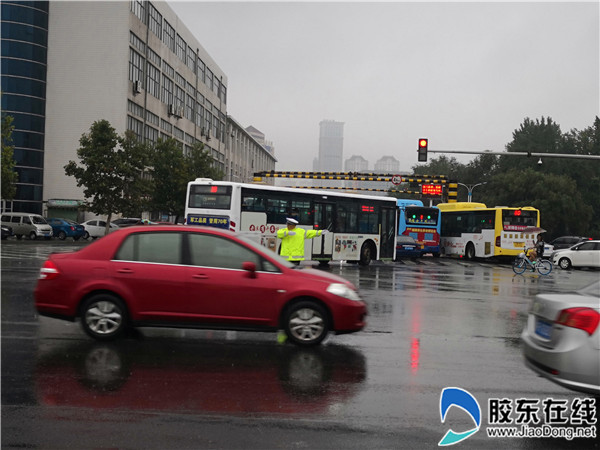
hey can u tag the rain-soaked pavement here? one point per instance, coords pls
(433, 323)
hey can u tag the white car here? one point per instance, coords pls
(584, 254)
(96, 228)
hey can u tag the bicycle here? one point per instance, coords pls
(522, 263)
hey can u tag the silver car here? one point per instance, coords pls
(561, 340)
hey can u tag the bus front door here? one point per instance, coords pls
(322, 248)
(388, 233)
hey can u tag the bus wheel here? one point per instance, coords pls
(470, 251)
(366, 254)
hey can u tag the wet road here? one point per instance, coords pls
(432, 324)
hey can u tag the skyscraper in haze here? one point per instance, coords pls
(331, 146)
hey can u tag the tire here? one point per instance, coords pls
(519, 266)
(366, 254)
(470, 251)
(564, 263)
(103, 317)
(32, 236)
(306, 323)
(86, 235)
(62, 235)
(544, 267)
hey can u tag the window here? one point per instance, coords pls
(209, 79)
(135, 109)
(153, 80)
(153, 57)
(137, 126)
(180, 48)
(154, 20)
(201, 69)
(214, 197)
(179, 96)
(137, 42)
(199, 114)
(214, 251)
(167, 90)
(151, 134)
(138, 8)
(160, 247)
(166, 126)
(179, 134)
(169, 36)
(191, 59)
(136, 66)
(152, 118)
(168, 69)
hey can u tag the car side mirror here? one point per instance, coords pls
(249, 267)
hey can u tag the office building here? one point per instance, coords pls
(331, 146)
(135, 64)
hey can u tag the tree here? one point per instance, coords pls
(562, 207)
(9, 175)
(169, 177)
(200, 164)
(110, 171)
(172, 171)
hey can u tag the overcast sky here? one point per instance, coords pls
(464, 75)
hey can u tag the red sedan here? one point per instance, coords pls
(193, 277)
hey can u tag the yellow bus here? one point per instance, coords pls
(472, 230)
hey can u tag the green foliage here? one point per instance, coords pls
(9, 175)
(172, 171)
(111, 170)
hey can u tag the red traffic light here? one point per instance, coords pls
(422, 150)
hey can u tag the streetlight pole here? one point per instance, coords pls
(470, 189)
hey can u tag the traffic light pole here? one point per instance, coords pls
(528, 154)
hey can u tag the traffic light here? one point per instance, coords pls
(422, 150)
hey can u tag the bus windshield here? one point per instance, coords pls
(518, 219)
(416, 215)
(209, 196)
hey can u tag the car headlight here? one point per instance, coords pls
(342, 290)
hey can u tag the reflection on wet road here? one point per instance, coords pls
(197, 377)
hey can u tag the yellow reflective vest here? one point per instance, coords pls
(292, 246)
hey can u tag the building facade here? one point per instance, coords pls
(331, 146)
(387, 164)
(135, 64)
(24, 62)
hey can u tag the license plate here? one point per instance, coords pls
(408, 248)
(519, 244)
(543, 329)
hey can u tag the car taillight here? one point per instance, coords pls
(48, 271)
(585, 319)
(72, 228)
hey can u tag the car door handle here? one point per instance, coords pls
(125, 271)
(200, 276)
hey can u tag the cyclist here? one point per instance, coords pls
(537, 252)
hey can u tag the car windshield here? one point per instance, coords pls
(38, 220)
(592, 290)
(263, 250)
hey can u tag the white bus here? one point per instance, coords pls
(472, 230)
(361, 227)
